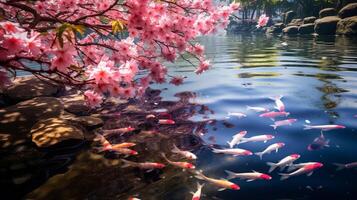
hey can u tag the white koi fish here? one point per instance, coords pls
(323, 127)
(283, 123)
(145, 165)
(257, 109)
(234, 152)
(186, 154)
(197, 194)
(236, 138)
(221, 183)
(272, 115)
(250, 176)
(274, 147)
(345, 166)
(299, 165)
(307, 169)
(279, 104)
(183, 165)
(166, 121)
(237, 114)
(258, 138)
(287, 161)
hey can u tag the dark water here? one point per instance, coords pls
(317, 77)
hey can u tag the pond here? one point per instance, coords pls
(317, 77)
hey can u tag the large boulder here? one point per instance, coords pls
(347, 26)
(295, 22)
(291, 30)
(327, 12)
(48, 132)
(306, 28)
(309, 20)
(75, 104)
(348, 11)
(25, 88)
(326, 25)
(289, 16)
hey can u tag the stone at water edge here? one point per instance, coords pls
(46, 133)
(289, 16)
(29, 87)
(326, 25)
(75, 104)
(347, 26)
(308, 20)
(306, 29)
(295, 22)
(291, 30)
(348, 11)
(327, 12)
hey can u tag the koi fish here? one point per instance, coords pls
(197, 194)
(166, 121)
(345, 166)
(257, 109)
(118, 131)
(123, 145)
(283, 123)
(287, 161)
(234, 152)
(258, 138)
(183, 165)
(272, 115)
(299, 165)
(145, 165)
(237, 114)
(307, 169)
(279, 104)
(323, 127)
(236, 138)
(221, 183)
(186, 154)
(250, 176)
(125, 151)
(318, 143)
(274, 147)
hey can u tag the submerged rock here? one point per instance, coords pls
(25, 88)
(326, 25)
(308, 20)
(289, 16)
(291, 30)
(306, 28)
(347, 26)
(75, 104)
(348, 11)
(295, 22)
(327, 12)
(52, 131)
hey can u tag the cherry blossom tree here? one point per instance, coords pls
(108, 47)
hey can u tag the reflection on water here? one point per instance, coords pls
(317, 77)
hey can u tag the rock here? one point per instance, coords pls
(289, 16)
(290, 30)
(25, 88)
(279, 25)
(89, 122)
(308, 20)
(276, 28)
(347, 26)
(348, 11)
(75, 104)
(327, 12)
(326, 25)
(52, 131)
(306, 28)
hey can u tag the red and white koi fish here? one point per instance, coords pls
(103, 141)
(124, 151)
(186, 154)
(145, 165)
(118, 131)
(183, 165)
(166, 121)
(221, 183)
(197, 194)
(236, 138)
(123, 145)
(299, 165)
(234, 152)
(272, 115)
(307, 169)
(274, 147)
(257, 109)
(345, 166)
(116, 148)
(287, 161)
(323, 127)
(279, 104)
(237, 114)
(258, 138)
(250, 176)
(283, 123)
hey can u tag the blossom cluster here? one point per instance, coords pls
(111, 47)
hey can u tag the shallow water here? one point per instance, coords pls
(317, 77)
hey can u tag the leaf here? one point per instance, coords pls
(117, 26)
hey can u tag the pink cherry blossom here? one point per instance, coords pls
(93, 99)
(262, 21)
